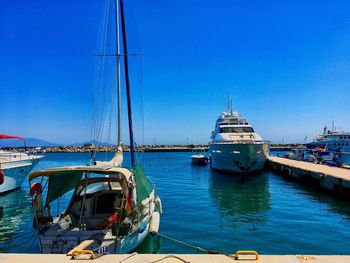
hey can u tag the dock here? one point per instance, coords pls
(333, 179)
(174, 258)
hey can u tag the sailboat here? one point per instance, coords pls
(112, 209)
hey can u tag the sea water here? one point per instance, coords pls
(263, 212)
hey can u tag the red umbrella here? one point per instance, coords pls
(4, 136)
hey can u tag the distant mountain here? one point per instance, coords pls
(34, 142)
(30, 142)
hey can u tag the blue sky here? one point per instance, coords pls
(286, 65)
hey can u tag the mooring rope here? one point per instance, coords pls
(190, 245)
(170, 256)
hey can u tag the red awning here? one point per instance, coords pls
(4, 136)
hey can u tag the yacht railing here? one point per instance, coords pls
(7, 156)
(243, 142)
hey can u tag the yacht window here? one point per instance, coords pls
(236, 130)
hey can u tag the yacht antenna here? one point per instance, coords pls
(127, 82)
(228, 100)
(118, 70)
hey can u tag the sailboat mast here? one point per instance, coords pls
(118, 71)
(127, 83)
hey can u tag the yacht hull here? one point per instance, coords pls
(16, 172)
(240, 158)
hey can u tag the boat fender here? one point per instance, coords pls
(35, 189)
(154, 224)
(2, 177)
(159, 205)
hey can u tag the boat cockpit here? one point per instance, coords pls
(99, 197)
(97, 203)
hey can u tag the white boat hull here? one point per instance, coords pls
(239, 158)
(62, 244)
(16, 172)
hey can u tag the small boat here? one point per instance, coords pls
(110, 208)
(15, 166)
(199, 159)
(345, 166)
(324, 155)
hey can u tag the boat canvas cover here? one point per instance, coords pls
(62, 183)
(144, 186)
(64, 179)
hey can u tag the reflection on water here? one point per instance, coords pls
(16, 232)
(236, 195)
(333, 203)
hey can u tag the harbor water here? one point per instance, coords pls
(263, 212)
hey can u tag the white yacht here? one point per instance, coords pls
(333, 140)
(235, 147)
(15, 166)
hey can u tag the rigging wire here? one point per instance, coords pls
(96, 105)
(104, 118)
(142, 107)
(101, 94)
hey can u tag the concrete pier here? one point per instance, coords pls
(333, 179)
(175, 258)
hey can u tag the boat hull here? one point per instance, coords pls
(199, 160)
(16, 172)
(240, 158)
(62, 244)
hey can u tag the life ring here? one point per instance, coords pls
(2, 177)
(35, 189)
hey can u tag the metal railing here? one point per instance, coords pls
(243, 142)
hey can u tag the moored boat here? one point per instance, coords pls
(15, 166)
(235, 147)
(112, 208)
(199, 159)
(333, 140)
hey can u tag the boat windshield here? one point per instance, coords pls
(236, 129)
(98, 186)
